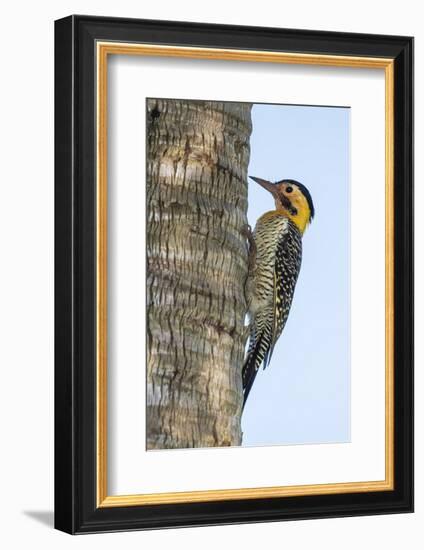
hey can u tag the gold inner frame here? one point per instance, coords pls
(103, 50)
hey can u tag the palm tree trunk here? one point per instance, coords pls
(197, 157)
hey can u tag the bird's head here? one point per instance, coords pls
(293, 198)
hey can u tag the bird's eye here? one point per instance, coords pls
(289, 189)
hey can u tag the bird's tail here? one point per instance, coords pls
(255, 356)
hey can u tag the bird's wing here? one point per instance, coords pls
(288, 259)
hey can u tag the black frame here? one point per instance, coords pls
(75, 274)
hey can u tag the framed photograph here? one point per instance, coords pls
(234, 274)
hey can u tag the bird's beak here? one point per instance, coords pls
(269, 186)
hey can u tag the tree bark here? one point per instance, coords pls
(197, 157)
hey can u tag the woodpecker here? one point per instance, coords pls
(276, 245)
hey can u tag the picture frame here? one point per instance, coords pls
(83, 45)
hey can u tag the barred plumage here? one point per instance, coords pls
(278, 242)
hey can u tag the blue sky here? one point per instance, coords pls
(304, 394)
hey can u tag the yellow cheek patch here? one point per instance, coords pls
(301, 219)
(303, 216)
